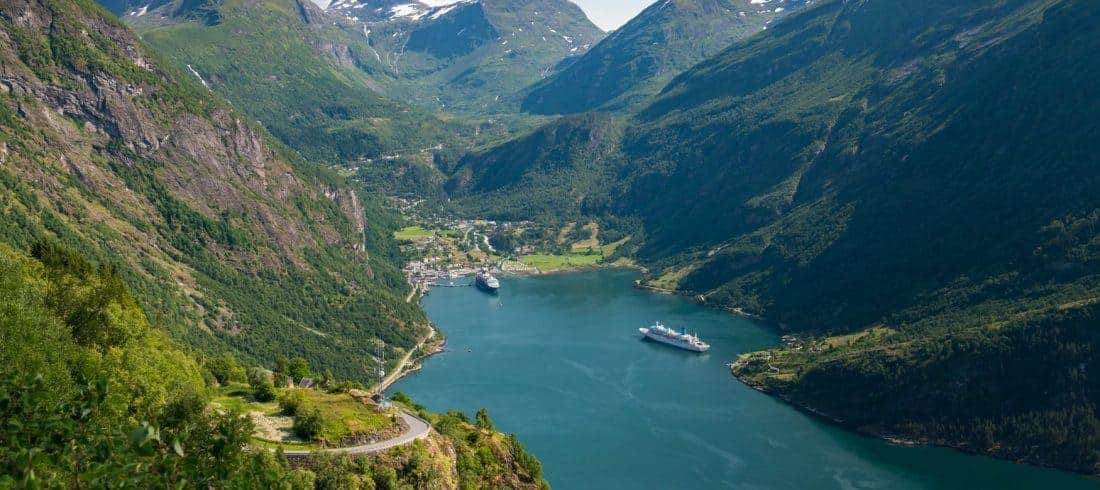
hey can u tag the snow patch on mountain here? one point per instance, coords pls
(432, 9)
(381, 10)
(412, 11)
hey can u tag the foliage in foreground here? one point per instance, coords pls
(486, 459)
(91, 395)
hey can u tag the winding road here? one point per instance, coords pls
(418, 429)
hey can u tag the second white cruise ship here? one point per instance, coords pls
(680, 339)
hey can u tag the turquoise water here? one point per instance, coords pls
(558, 360)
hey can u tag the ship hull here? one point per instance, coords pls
(668, 341)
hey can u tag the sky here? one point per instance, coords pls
(610, 14)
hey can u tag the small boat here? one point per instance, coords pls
(681, 339)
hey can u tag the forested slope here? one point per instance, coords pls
(91, 395)
(842, 171)
(558, 170)
(910, 187)
(227, 241)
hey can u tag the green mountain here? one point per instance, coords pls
(907, 187)
(229, 241)
(554, 170)
(910, 188)
(635, 61)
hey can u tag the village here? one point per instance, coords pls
(447, 251)
(441, 249)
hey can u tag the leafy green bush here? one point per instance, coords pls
(224, 369)
(339, 471)
(262, 387)
(386, 479)
(298, 368)
(264, 391)
(257, 375)
(308, 423)
(290, 402)
(281, 380)
(345, 386)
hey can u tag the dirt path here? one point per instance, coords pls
(273, 428)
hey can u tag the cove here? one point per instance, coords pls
(558, 360)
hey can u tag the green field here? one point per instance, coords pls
(345, 416)
(238, 397)
(553, 263)
(610, 248)
(410, 233)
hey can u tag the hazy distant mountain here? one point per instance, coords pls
(636, 60)
(471, 56)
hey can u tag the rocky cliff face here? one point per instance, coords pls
(212, 161)
(141, 166)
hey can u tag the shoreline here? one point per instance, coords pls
(836, 421)
(893, 439)
(403, 368)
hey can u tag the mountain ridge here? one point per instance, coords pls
(637, 59)
(470, 57)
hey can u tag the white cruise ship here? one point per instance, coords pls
(486, 282)
(680, 339)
